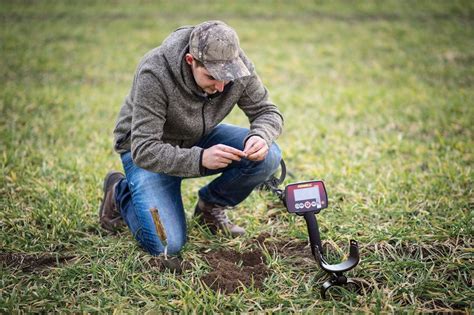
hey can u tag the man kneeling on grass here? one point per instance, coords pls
(169, 128)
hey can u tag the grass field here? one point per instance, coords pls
(379, 102)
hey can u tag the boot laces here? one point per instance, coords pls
(220, 214)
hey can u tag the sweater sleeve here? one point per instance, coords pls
(265, 119)
(148, 149)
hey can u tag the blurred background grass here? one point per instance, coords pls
(378, 102)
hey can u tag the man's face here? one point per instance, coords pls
(205, 80)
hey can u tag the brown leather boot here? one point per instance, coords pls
(109, 215)
(214, 217)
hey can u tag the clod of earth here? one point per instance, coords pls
(172, 264)
(231, 270)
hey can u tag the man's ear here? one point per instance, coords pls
(189, 59)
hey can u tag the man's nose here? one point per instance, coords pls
(220, 86)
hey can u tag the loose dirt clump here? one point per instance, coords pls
(31, 262)
(231, 270)
(172, 264)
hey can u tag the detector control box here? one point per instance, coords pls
(306, 197)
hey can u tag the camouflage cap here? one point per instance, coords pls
(216, 45)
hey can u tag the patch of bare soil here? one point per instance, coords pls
(231, 270)
(31, 262)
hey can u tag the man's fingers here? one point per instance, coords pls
(254, 148)
(228, 149)
(251, 149)
(250, 146)
(259, 155)
(229, 156)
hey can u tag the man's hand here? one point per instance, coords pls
(220, 155)
(256, 148)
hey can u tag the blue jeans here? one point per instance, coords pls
(142, 190)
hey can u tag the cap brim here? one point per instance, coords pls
(227, 70)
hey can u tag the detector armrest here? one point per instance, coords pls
(346, 265)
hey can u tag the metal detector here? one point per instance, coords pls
(307, 199)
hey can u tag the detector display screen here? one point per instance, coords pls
(306, 197)
(306, 193)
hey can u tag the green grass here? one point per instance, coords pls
(378, 102)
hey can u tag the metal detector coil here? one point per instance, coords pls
(307, 199)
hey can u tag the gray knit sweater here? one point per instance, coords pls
(166, 113)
